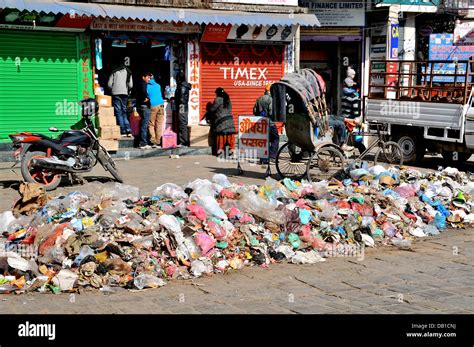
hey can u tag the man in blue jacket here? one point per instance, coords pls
(157, 112)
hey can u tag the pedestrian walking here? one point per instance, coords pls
(157, 112)
(220, 111)
(120, 84)
(181, 99)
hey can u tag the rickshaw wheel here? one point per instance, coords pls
(324, 164)
(391, 153)
(290, 162)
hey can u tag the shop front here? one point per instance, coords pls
(156, 47)
(243, 60)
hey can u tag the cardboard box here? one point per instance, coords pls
(110, 145)
(104, 100)
(106, 117)
(198, 135)
(111, 132)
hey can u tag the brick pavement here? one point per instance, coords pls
(434, 277)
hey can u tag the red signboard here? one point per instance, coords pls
(216, 33)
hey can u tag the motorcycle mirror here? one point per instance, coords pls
(54, 130)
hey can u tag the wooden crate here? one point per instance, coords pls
(198, 135)
(104, 100)
(111, 132)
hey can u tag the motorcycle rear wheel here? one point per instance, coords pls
(43, 177)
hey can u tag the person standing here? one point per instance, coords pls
(157, 112)
(224, 129)
(120, 83)
(263, 108)
(143, 105)
(181, 99)
(350, 96)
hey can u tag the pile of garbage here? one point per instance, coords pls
(115, 237)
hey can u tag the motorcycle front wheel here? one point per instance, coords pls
(45, 178)
(108, 164)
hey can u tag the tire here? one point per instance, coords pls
(391, 154)
(461, 157)
(325, 163)
(413, 147)
(290, 162)
(44, 178)
(108, 164)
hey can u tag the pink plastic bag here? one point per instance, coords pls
(204, 241)
(198, 211)
(169, 139)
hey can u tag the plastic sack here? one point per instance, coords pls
(389, 229)
(202, 188)
(122, 192)
(212, 207)
(221, 180)
(65, 279)
(431, 230)
(148, 281)
(171, 223)
(417, 232)
(376, 170)
(401, 243)
(85, 252)
(197, 211)
(6, 218)
(440, 221)
(204, 241)
(252, 203)
(198, 267)
(406, 191)
(170, 190)
(311, 257)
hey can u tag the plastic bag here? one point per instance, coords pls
(85, 252)
(431, 230)
(389, 229)
(212, 207)
(148, 281)
(406, 191)
(311, 257)
(65, 279)
(202, 188)
(440, 221)
(252, 203)
(401, 243)
(170, 190)
(221, 180)
(198, 267)
(122, 192)
(204, 241)
(6, 218)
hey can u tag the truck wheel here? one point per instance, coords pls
(451, 158)
(413, 147)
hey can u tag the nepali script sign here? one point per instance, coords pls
(253, 137)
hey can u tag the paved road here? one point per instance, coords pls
(435, 276)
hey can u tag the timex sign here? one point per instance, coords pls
(249, 33)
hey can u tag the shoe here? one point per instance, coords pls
(347, 148)
(129, 134)
(155, 146)
(145, 147)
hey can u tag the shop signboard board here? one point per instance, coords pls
(409, 2)
(338, 13)
(464, 33)
(193, 78)
(253, 137)
(110, 24)
(248, 33)
(263, 2)
(441, 47)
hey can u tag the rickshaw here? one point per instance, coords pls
(310, 151)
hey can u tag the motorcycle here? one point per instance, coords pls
(45, 160)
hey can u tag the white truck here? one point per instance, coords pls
(428, 105)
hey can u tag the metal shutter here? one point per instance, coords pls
(215, 57)
(38, 81)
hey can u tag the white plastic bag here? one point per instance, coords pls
(221, 180)
(170, 190)
(212, 207)
(6, 218)
(148, 281)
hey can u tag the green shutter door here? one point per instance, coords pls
(39, 85)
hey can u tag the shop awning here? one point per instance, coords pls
(177, 15)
